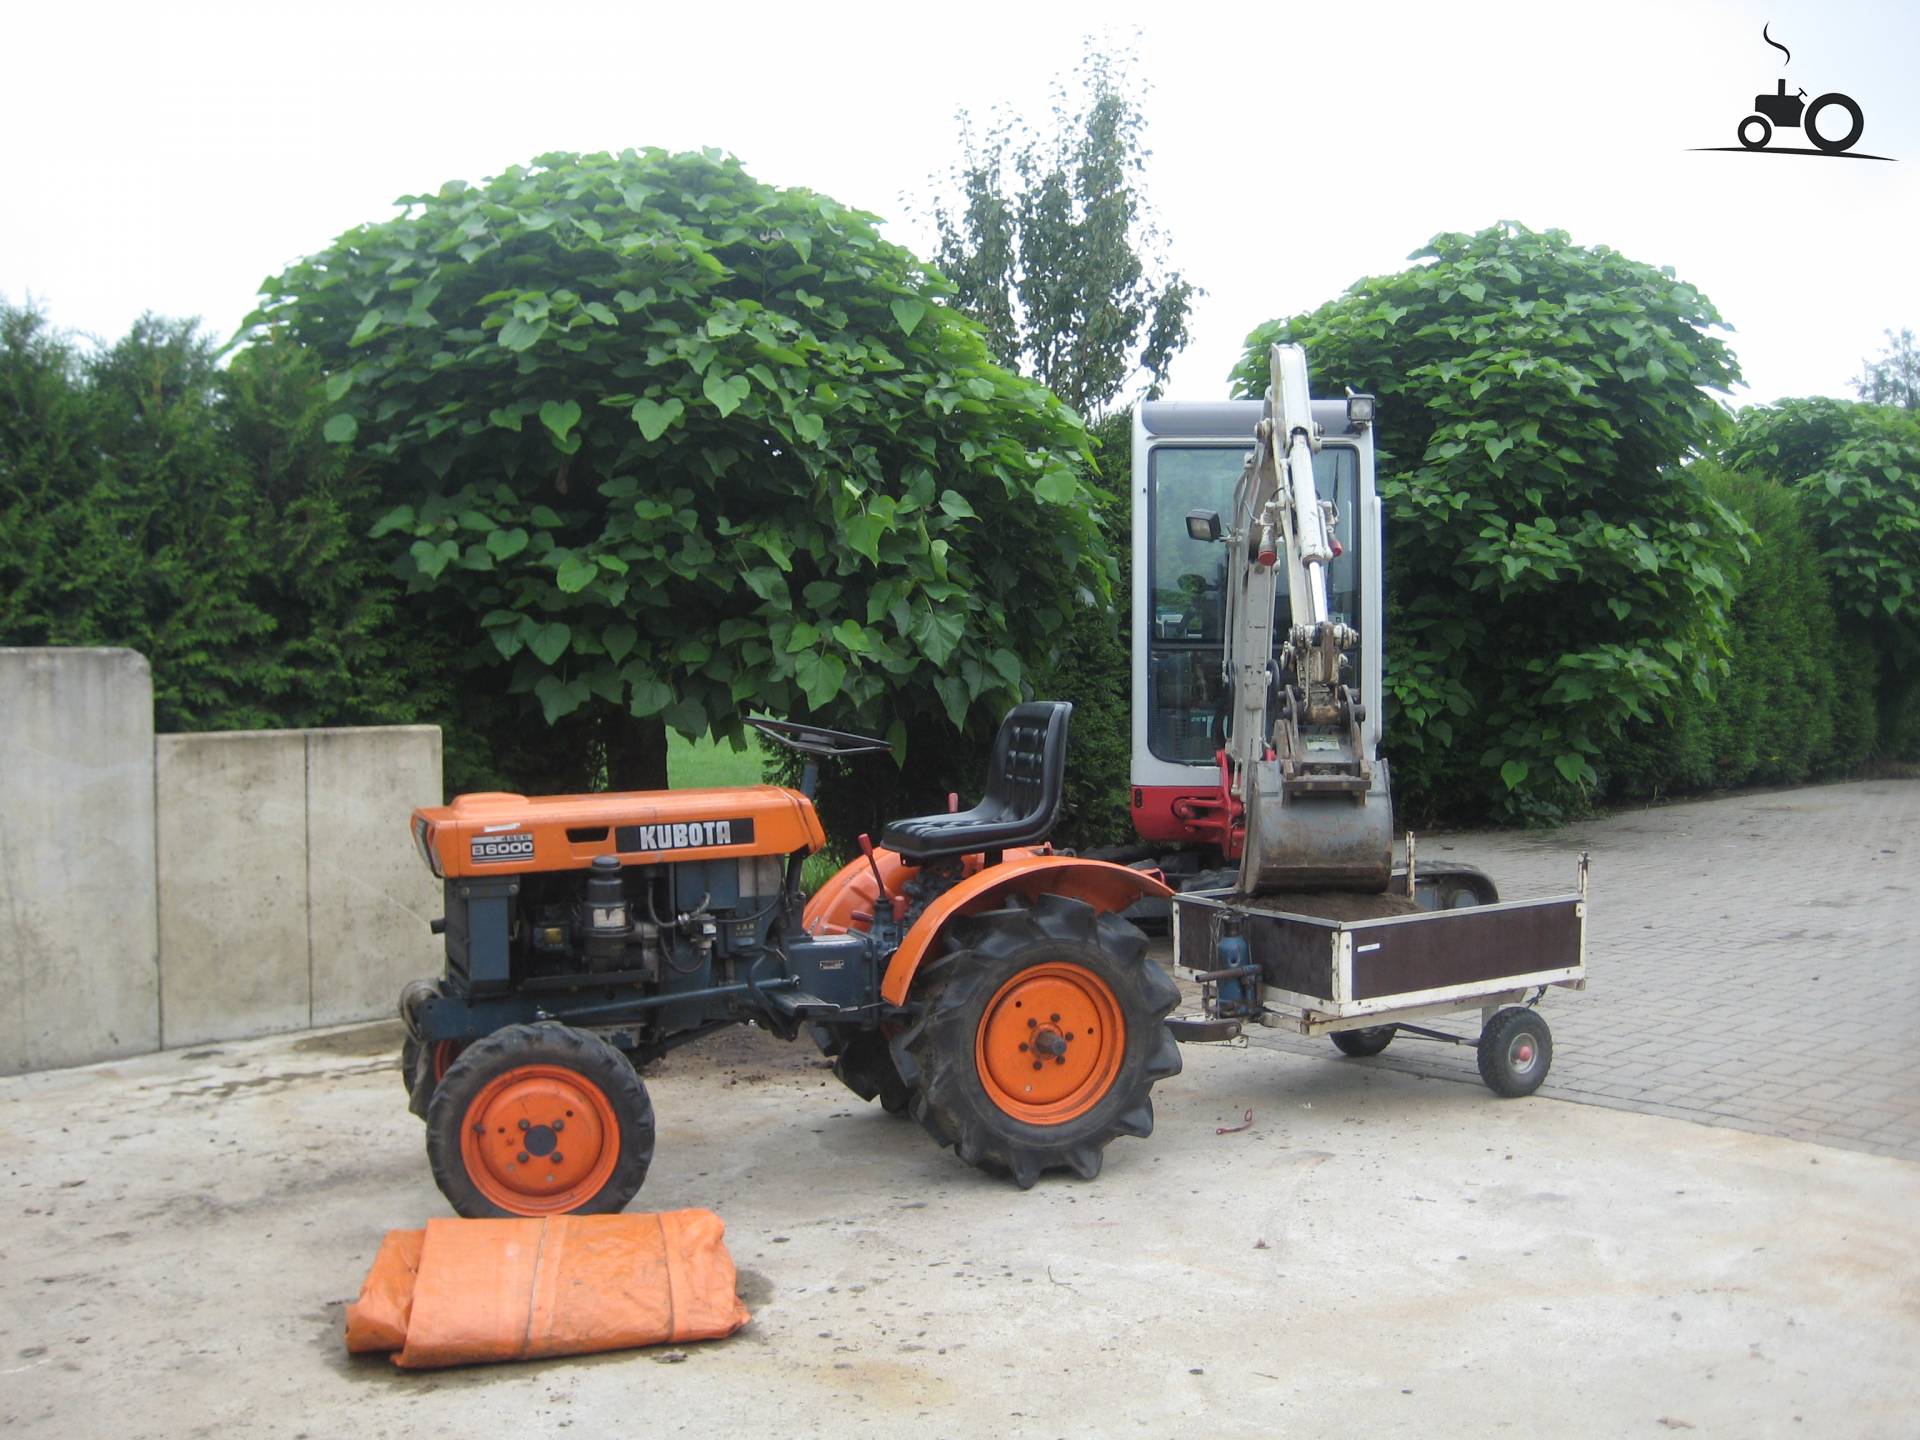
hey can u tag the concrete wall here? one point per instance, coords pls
(79, 965)
(232, 811)
(290, 894)
(370, 896)
(162, 891)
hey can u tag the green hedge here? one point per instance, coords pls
(1788, 706)
(151, 498)
(1856, 468)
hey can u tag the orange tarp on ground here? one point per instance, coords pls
(378, 1319)
(465, 1291)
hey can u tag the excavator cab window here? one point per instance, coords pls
(1187, 587)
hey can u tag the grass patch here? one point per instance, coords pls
(818, 868)
(699, 764)
(695, 764)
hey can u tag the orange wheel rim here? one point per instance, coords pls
(445, 1052)
(540, 1140)
(1050, 1044)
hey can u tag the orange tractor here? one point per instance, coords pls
(959, 970)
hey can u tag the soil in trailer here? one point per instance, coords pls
(1340, 905)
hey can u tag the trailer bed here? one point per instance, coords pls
(1364, 979)
(1360, 969)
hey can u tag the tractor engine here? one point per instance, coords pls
(638, 923)
(626, 901)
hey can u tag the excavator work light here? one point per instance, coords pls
(1360, 410)
(1203, 525)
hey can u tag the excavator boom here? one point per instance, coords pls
(1316, 805)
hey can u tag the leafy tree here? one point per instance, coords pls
(1051, 245)
(668, 444)
(1554, 571)
(1893, 378)
(1857, 467)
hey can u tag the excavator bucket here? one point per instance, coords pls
(1299, 839)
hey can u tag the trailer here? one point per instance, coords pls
(1364, 980)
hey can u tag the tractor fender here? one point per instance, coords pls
(851, 889)
(1100, 883)
(832, 907)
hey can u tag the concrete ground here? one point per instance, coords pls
(1378, 1253)
(1381, 1250)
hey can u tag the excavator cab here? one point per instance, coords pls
(1187, 458)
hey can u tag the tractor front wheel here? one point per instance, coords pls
(539, 1120)
(423, 1067)
(1040, 1033)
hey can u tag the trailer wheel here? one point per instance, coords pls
(539, 1120)
(1516, 1051)
(1362, 1043)
(1040, 1033)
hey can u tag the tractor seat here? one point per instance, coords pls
(1022, 803)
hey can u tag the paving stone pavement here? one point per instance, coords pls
(1753, 962)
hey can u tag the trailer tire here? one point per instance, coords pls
(539, 1120)
(1362, 1043)
(1057, 986)
(1515, 1052)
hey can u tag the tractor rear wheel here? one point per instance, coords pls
(1040, 1033)
(539, 1120)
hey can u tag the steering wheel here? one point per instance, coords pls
(815, 739)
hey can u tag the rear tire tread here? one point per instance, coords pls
(935, 1055)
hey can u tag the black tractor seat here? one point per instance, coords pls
(1022, 804)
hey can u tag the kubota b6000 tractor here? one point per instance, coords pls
(959, 970)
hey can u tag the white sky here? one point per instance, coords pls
(169, 157)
